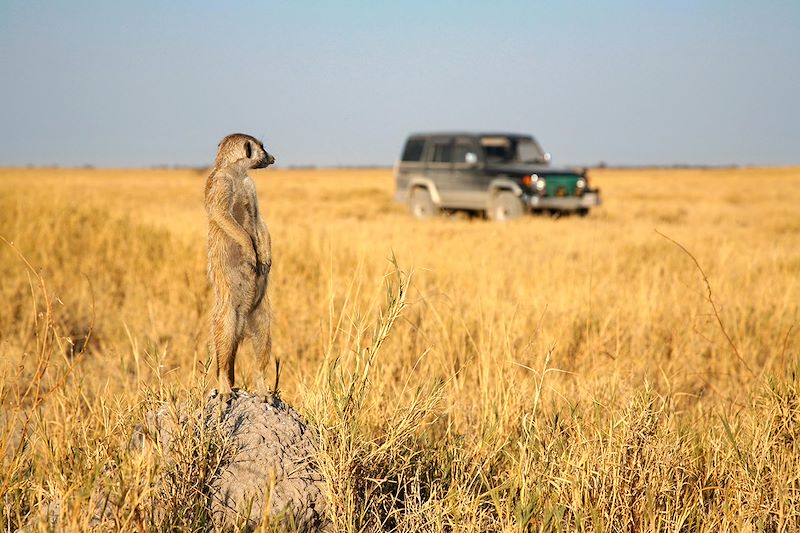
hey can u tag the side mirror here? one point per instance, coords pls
(471, 159)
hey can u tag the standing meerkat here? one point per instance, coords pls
(239, 257)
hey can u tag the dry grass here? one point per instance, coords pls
(544, 374)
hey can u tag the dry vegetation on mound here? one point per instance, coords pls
(543, 374)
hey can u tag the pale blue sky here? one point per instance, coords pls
(336, 83)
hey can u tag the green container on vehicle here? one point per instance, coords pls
(562, 185)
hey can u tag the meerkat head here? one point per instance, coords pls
(243, 150)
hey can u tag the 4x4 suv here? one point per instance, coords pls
(503, 175)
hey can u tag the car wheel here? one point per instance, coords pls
(583, 211)
(421, 204)
(505, 205)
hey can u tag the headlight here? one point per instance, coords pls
(539, 183)
(581, 183)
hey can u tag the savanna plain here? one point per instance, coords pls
(634, 370)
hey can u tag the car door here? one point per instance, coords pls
(410, 166)
(469, 187)
(439, 167)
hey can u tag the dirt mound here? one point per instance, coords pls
(266, 467)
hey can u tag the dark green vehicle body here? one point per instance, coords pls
(501, 174)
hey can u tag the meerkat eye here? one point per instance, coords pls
(248, 150)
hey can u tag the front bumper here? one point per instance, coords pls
(564, 203)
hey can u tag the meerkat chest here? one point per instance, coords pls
(244, 206)
(249, 187)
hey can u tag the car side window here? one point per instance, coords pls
(442, 152)
(462, 148)
(413, 150)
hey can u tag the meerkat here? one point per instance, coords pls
(239, 257)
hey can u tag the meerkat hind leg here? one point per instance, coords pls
(261, 336)
(226, 334)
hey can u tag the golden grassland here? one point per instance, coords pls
(543, 374)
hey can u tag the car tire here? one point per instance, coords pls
(421, 204)
(505, 205)
(583, 211)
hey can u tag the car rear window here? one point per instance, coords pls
(413, 150)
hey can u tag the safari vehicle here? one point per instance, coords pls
(502, 175)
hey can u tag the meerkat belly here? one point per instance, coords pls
(244, 214)
(262, 281)
(230, 274)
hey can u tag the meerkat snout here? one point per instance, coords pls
(262, 159)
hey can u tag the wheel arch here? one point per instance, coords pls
(425, 183)
(501, 184)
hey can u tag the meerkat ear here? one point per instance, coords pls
(248, 150)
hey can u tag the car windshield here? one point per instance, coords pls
(513, 150)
